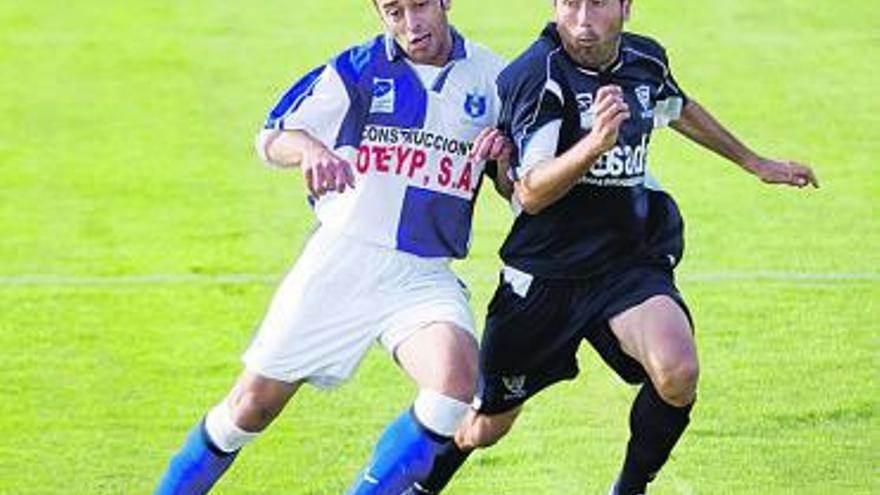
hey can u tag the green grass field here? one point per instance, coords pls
(129, 190)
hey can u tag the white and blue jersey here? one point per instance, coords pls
(407, 129)
(617, 213)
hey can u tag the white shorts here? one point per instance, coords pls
(340, 297)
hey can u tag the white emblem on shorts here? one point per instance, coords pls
(516, 385)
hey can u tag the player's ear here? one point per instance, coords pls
(626, 5)
(446, 4)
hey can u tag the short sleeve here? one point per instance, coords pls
(528, 104)
(316, 104)
(670, 99)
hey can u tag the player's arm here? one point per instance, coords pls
(322, 169)
(306, 117)
(491, 145)
(502, 182)
(551, 179)
(698, 125)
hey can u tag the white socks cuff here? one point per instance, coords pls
(439, 413)
(225, 434)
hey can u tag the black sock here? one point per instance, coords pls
(445, 465)
(655, 427)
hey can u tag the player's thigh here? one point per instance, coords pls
(657, 333)
(323, 317)
(529, 343)
(441, 356)
(429, 329)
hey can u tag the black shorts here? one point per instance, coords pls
(533, 330)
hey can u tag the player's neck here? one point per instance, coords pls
(449, 46)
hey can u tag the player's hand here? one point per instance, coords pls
(325, 172)
(609, 112)
(491, 144)
(783, 172)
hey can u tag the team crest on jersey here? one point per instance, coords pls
(515, 385)
(585, 108)
(383, 96)
(475, 105)
(643, 93)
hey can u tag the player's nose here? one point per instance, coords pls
(583, 17)
(413, 23)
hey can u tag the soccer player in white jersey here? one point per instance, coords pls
(392, 138)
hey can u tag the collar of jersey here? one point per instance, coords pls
(459, 50)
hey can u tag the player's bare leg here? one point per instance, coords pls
(657, 333)
(475, 431)
(214, 443)
(255, 401)
(481, 430)
(442, 360)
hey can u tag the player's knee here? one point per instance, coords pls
(677, 384)
(462, 383)
(484, 431)
(488, 435)
(253, 411)
(459, 380)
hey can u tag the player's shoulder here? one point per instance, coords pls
(352, 63)
(531, 68)
(482, 57)
(645, 47)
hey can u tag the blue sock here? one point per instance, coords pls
(403, 456)
(196, 467)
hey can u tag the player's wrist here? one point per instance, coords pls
(301, 149)
(752, 163)
(592, 149)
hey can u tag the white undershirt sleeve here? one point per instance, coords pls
(541, 147)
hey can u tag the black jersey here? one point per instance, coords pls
(617, 213)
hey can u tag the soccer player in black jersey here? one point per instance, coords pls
(592, 251)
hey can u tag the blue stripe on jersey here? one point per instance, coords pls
(360, 68)
(351, 66)
(293, 98)
(434, 224)
(441, 79)
(410, 99)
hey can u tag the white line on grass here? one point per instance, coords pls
(267, 279)
(135, 280)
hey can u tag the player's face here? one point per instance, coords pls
(420, 27)
(590, 29)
